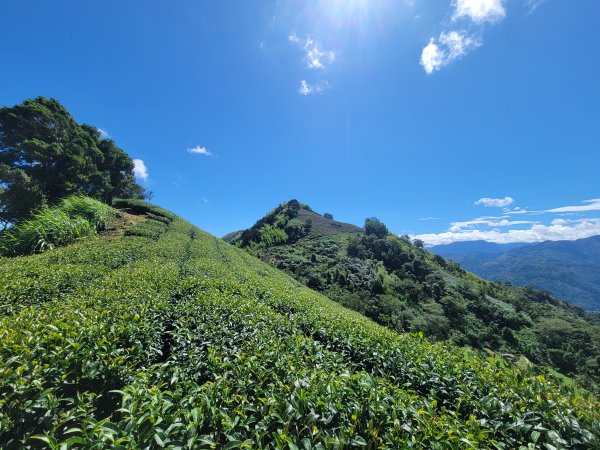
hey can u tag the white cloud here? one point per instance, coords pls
(479, 11)
(495, 202)
(557, 231)
(494, 228)
(487, 221)
(103, 133)
(140, 170)
(590, 205)
(534, 4)
(519, 210)
(447, 48)
(199, 150)
(314, 56)
(432, 57)
(308, 89)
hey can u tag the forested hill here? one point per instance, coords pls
(154, 334)
(399, 284)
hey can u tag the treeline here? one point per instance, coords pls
(45, 156)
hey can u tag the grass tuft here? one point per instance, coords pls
(73, 218)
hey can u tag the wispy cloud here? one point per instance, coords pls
(589, 205)
(519, 210)
(140, 170)
(318, 88)
(479, 11)
(495, 202)
(314, 56)
(103, 133)
(199, 150)
(448, 47)
(489, 222)
(534, 4)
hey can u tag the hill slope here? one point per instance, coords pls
(406, 288)
(164, 336)
(568, 269)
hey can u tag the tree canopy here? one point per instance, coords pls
(45, 155)
(374, 226)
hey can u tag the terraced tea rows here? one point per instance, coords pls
(168, 337)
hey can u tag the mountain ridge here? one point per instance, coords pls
(568, 269)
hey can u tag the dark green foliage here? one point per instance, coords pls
(286, 224)
(328, 216)
(277, 227)
(73, 218)
(397, 283)
(45, 155)
(373, 226)
(187, 342)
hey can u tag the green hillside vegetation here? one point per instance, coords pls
(286, 224)
(162, 336)
(397, 283)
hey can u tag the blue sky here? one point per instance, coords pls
(408, 110)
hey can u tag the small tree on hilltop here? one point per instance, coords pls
(373, 226)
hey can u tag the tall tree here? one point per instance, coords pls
(46, 155)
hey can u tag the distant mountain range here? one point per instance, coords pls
(568, 269)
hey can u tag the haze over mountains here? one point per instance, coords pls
(568, 269)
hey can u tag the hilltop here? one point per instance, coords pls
(296, 220)
(568, 269)
(399, 284)
(156, 334)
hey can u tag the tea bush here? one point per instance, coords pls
(179, 340)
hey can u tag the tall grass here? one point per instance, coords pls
(73, 218)
(98, 214)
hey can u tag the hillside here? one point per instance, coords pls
(155, 334)
(568, 269)
(406, 288)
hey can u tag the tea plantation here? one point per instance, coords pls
(163, 336)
